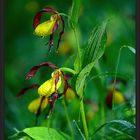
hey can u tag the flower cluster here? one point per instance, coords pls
(48, 91)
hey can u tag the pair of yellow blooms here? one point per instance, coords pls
(47, 89)
(46, 28)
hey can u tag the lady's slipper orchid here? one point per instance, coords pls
(49, 87)
(118, 98)
(116, 93)
(48, 27)
(48, 91)
(35, 104)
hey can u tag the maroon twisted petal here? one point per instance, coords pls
(52, 101)
(66, 84)
(51, 36)
(23, 91)
(34, 69)
(109, 99)
(39, 109)
(62, 32)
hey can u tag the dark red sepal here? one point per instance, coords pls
(34, 69)
(51, 42)
(39, 110)
(52, 101)
(48, 64)
(51, 36)
(53, 98)
(57, 79)
(23, 91)
(66, 85)
(62, 32)
(109, 99)
(32, 72)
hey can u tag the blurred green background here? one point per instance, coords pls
(24, 50)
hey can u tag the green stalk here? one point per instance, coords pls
(81, 102)
(78, 47)
(84, 119)
(103, 116)
(115, 77)
(49, 120)
(68, 119)
(68, 70)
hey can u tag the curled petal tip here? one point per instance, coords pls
(32, 72)
(28, 77)
(23, 91)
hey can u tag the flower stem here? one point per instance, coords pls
(68, 119)
(68, 70)
(81, 102)
(115, 77)
(84, 119)
(78, 47)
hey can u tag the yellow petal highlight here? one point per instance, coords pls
(47, 88)
(118, 98)
(34, 105)
(45, 28)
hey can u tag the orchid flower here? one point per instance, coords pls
(47, 91)
(49, 27)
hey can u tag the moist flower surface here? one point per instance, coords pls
(49, 27)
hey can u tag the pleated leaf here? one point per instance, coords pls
(96, 44)
(81, 79)
(121, 128)
(94, 50)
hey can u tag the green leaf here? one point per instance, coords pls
(44, 133)
(96, 44)
(79, 130)
(121, 128)
(25, 138)
(80, 81)
(94, 50)
(76, 62)
(124, 123)
(74, 13)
